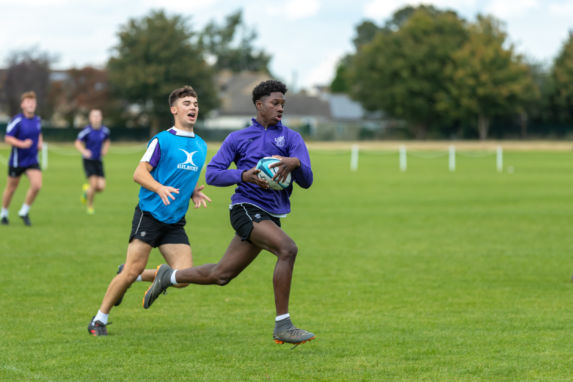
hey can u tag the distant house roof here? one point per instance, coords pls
(235, 91)
(342, 107)
(303, 105)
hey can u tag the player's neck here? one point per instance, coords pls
(262, 122)
(188, 128)
(28, 114)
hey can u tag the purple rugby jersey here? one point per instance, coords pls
(24, 128)
(94, 139)
(245, 147)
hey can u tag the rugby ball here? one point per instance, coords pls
(267, 173)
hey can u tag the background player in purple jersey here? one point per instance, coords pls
(24, 134)
(255, 209)
(93, 143)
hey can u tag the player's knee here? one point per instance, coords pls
(288, 251)
(131, 274)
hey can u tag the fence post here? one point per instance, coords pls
(354, 158)
(452, 159)
(403, 164)
(44, 156)
(499, 159)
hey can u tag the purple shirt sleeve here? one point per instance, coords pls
(218, 172)
(303, 175)
(153, 153)
(13, 127)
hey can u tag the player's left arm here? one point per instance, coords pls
(297, 163)
(218, 172)
(40, 142)
(105, 147)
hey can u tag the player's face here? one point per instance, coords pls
(185, 111)
(28, 106)
(95, 119)
(271, 107)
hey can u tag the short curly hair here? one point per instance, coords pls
(265, 88)
(185, 91)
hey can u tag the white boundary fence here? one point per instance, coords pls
(451, 154)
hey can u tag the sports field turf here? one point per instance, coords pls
(417, 275)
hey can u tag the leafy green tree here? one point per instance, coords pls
(155, 55)
(484, 79)
(231, 46)
(562, 81)
(401, 71)
(341, 82)
(365, 33)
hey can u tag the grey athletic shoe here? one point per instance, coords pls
(159, 285)
(97, 328)
(285, 331)
(5, 220)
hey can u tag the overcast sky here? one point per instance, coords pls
(304, 37)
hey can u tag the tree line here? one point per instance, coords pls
(446, 77)
(434, 72)
(155, 54)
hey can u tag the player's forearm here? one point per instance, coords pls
(143, 177)
(222, 178)
(80, 147)
(13, 141)
(105, 148)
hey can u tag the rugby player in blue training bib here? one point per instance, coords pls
(255, 210)
(168, 174)
(24, 134)
(93, 143)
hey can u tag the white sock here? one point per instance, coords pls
(282, 317)
(101, 317)
(4, 212)
(139, 278)
(173, 280)
(24, 210)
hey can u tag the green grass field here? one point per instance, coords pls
(416, 275)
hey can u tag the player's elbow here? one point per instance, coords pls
(209, 177)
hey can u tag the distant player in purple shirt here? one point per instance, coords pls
(255, 210)
(93, 143)
(24, 134)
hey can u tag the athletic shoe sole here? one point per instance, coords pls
(159, 285)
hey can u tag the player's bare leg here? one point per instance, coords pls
(178, 256)
(135, 262)
(237, 257)
(239, 254)
(136, 259)
(93, 183)
(11, 186)
(35, 178)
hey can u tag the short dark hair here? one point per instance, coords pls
(185, 91)
(265, 88)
